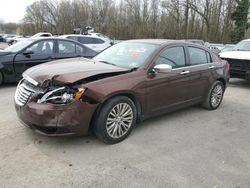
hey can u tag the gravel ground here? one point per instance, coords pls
(189, 148)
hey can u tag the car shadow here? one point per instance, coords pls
(234, 82)
(89, 141)
(8, 85)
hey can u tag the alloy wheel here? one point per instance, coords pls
(216, 96)
(119, 120)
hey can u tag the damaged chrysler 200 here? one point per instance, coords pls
(122, 85)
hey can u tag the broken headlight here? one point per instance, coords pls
(62, 95)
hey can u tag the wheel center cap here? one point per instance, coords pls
(119, 119)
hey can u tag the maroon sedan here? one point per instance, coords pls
(126, 83)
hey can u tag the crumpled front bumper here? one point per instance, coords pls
(55, 120)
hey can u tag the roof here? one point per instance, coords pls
(246, 40)
(79, 35)
(158, 41)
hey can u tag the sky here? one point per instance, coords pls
(13, 10)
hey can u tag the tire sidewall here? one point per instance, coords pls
(210, 93)
(1, 78)
(100, 125)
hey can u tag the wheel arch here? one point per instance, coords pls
(1, 75)
(126, 94)
(223, 81)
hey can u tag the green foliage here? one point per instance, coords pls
(240, 16)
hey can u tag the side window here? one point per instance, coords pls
(79, 49)
(42, 47)
(197, 56)
(66, 47)
(72, 38)
(86, 40)
(98, 41)
(174, 56)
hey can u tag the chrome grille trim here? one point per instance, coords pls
(23, 92)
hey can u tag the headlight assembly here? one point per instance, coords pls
(62, 95)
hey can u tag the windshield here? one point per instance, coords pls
(127, 54)
(242, 46)
(18, 46)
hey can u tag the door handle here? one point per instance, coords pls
(185, 72)
(211, 67)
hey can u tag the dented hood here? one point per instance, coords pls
(3, 52)
(70, 70)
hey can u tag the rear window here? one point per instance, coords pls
(197, 56)
(86, 40)
(66, 47)
(98, 41)
(72, 37)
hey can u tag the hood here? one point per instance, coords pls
(243, 55)
(70, 70)
(3, 52)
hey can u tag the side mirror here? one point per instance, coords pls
(163, 68)
(28, 52)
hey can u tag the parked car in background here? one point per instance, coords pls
(7, 36)
(10, 38)
(216, 48)
(93, 41)
(196, 41)
(122, 85)
(16, 39)
(239, 60)
(15, 59)
(228, 47)
(101, 36)
(1, 38)
(41, 35)
(21, 38)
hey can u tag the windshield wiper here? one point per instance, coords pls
(134, 69)
(106, 62)
(240, 50)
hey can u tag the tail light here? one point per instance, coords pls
(228, 66)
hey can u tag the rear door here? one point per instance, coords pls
(200, 68)
(184, 85)
(39, 52)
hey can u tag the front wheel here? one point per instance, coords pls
(215, 96)
(115, 120)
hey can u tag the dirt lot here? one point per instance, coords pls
(189, 148)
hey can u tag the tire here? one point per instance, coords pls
(112, 127)
(215, 96)
(1, 78)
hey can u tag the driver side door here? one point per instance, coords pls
(169, 91)
(37, 53)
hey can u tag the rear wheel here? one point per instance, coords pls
(215, 96)
(115, 120)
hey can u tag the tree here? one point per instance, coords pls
(209, 20)
(240, 16)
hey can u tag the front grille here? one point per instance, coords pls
(24, 91)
